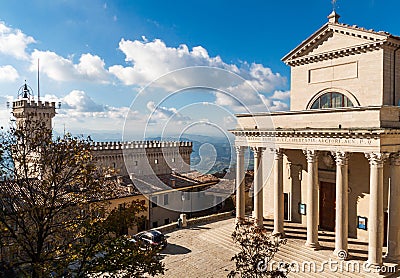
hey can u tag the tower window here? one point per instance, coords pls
(332, 100)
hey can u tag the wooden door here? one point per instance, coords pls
(327, 206)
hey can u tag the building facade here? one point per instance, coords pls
(334, 156)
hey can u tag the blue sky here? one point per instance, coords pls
(96, 56)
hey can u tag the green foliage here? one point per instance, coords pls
(55, 217)
(257, 249)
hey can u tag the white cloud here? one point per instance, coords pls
(81, 102)
(13, 42)
(161, 113)
(89, 68)
(281, 95)
(151, 60)
(8, 74)
(78, 105)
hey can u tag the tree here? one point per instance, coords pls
(257, 249)
(55, 218)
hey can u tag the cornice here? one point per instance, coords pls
(374, 40)
(342, 52)
(309, 133)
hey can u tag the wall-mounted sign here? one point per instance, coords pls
(362, 222)
(302, 209)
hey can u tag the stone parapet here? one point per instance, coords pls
(24, 103)
(139, 145)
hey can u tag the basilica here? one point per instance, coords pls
(332, 162)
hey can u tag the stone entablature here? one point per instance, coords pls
(347, 140)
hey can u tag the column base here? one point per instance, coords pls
(312, 245)
(341, 254)
(239, 220)
(259, 223)
(280, 234)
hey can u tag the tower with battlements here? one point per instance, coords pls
(25, 108)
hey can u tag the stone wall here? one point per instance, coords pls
(144, 157)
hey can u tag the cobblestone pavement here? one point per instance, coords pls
(201, 251)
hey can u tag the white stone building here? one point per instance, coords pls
(335, 155)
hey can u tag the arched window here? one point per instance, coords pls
(332, 100)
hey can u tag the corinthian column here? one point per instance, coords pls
(312, 199)
(375, 226)
(342, 204)
(393, 252)
(240, 184)
(278, 192)
(258, 186)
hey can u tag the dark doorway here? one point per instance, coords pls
(327, 206)
(385, 229)
(286, 206)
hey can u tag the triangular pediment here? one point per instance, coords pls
(334, 37)
(333, 42)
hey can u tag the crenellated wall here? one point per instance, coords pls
(144, 157)
(24, 109)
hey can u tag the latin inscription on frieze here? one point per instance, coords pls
(321, 141)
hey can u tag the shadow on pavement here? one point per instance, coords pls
(173, 249)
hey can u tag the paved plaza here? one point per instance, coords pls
(201, 251)
(206, 250)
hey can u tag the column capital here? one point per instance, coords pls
(240, 150)
(257, 151)
(311, 155)
(395, 159)
(376, 159)
(278, 153)
(341, 157)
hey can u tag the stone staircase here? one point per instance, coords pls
(307, 262)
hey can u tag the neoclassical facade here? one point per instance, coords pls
(334, 157)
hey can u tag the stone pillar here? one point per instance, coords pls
(375, 221)
(312, 199)
(240, 184)
(342, 205)
(278, 193)
(258, 186)
(393, 252)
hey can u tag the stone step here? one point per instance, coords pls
(295, 251)
(300, 253)
(292, 254)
